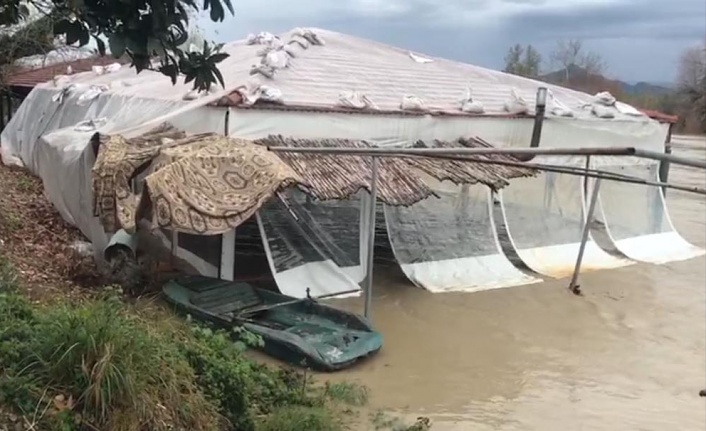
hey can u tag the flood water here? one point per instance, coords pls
(628, 355)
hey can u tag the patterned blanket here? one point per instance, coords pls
(203, 184)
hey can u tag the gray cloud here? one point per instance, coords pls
(640, 39)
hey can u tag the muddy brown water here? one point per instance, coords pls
(628, 355)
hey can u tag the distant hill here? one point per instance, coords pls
(642, 88)
(580, 79)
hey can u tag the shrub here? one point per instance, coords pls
(122, 374)
(301, 418)
(104, 364)
(113, 369)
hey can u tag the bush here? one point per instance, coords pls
(299, 418)
(104, 364)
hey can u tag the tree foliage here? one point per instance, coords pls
(151, 33)
(32, 39)
(691, 85)
(523, 61)
(569, 54)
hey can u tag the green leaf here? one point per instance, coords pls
(217, 58)
(117, 45)
(101, 45)
(62, 27)
(171, 71)
(74, 33)
(84, 36)
(229, 5)
(219, 76)
(217, 13)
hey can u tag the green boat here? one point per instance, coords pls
(301, 332)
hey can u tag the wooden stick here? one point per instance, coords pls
(268, 307)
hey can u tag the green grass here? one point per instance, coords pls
(105, 364)
(299, 418)
(347, 393)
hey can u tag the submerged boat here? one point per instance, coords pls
(302, 332)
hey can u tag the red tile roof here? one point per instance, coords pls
(29, 78)
(660, 116)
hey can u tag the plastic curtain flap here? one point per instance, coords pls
(544, 217)
(314, 244)
(449, 243)
(637, 220)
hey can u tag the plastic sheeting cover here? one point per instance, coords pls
(545, 217)
(316, 245)
(449, 243)
(637, 220)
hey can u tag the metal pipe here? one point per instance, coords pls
(539, 117)
(461, 151)
(573, 286)
(227, 123)
(664, 165)
(8, 98)
(570, 170)
(592, 151)
(371, 238)
(2, 112)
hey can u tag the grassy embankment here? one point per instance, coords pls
(76, 355)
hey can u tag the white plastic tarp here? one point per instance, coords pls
(314, 245)
(545, 217)
(42, 136)
(637, 220)
(449, 243)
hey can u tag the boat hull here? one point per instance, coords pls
(303, 332)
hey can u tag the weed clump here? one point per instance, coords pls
(104, 364)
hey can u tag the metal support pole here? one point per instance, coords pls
(664, 164)
(539, 109)
(371, 238)
(8, 97)
(575, 288)
(540, 106)
(2, 112)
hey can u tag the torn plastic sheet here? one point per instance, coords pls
(356, 100)
(255, 91)
(517, 104)
(469, 105)
(557, 108)
(91, 94)
(601, 111)
(604, 98)
(315, 245)
(90, 125)
(412, 103)
(637, 220)
(420, 59)
(544, 217)
(449, 244)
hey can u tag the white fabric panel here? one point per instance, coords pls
(637, 220)
(39, 115)
(64, 164)
(390, 130)
(199, 265)
(41, 136)
(544, 217)
(385, 75)
(228, 255)
(449, 244)
(299, 261)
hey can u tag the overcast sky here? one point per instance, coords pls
(640, 39)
